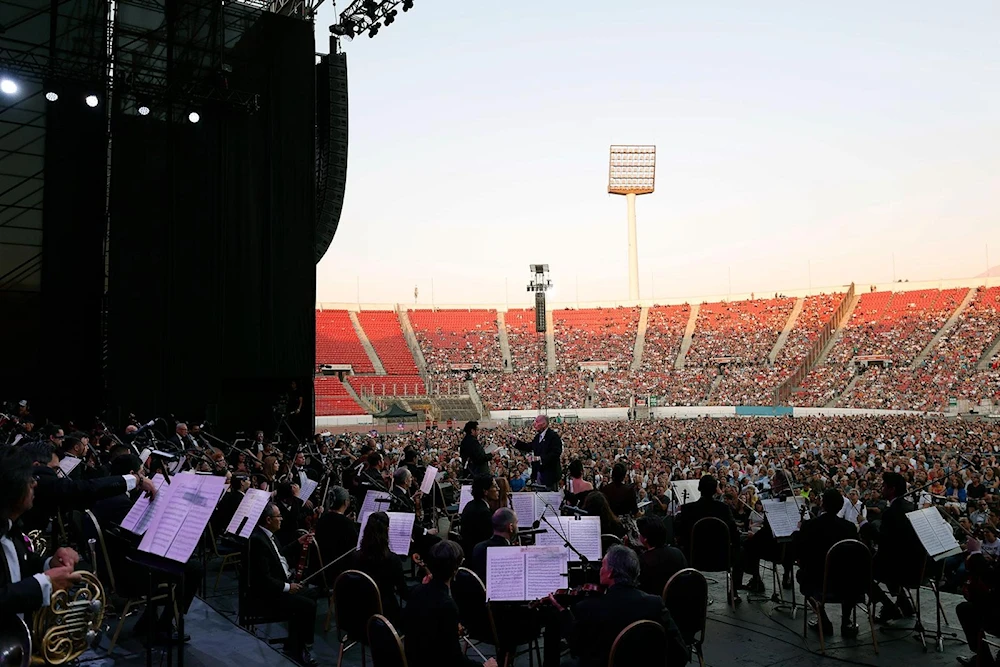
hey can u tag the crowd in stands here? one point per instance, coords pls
(742, 330)
(527, 352)
(664, 334)
(816, 312)
(457, 337)
(601, 334)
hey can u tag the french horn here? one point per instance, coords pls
(70, 624)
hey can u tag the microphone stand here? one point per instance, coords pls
(565, 539)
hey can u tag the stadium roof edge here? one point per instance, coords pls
(668, 301)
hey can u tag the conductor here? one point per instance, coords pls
(545, 450)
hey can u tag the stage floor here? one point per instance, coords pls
(755, 634)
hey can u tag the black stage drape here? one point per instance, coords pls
(213, 281)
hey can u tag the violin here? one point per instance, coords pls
(567, 596)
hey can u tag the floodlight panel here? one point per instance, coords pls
(632, 170)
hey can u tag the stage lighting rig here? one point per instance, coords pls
(369, 16)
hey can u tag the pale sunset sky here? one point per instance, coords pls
(796, 143)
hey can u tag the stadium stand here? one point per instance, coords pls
(526, 352)
(386, 335)
(337, 342)
(600, 334)
(450, 337)
(664, 334)
(388, 385)
(741, 330)
(332, 399)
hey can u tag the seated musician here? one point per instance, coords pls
(504, 532)
(981, 610)
(760, 545)
(812, 542)
(621, 496)
(377, 561)
(402, 480)
(431, 615)
(293, 512)
(707, 506)
(477, 519)
(268, 578)
(578, 486)
(659, 562)
(594, 623)
(230, 502)
(596, 504)
(112, 511)
(26, 580)
(853, 509)
(900, 554)
(336, 533)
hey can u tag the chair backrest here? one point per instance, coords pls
(469, 593)
(355, 600)
(709, 545)
(640, 643)
(686, 598)
(847, 574)
(387, 647)
(607, 541)
(102, 567)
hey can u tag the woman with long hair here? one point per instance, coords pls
(596, 504)
(503, 495)
(377, 561)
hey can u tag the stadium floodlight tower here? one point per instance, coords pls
(631, 172)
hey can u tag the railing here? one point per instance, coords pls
(816, 349)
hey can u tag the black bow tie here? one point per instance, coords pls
(14, 532)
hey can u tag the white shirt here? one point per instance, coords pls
(284, 563)
(14, 568)
(851, 512)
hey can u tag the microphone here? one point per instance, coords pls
(532, 531)
(576, 510)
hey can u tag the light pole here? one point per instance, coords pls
(540, 284)
(631, 172)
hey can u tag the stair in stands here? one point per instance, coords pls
(411, 341)
(508, 364)
(792, 317)
(952, 321)
(845, 394)
(711, 390)
(640, 339)
(550, 342)
(688, 336)
(477, 400)
(367, 344)
(991, 352)
(835, 338)
(360, 401)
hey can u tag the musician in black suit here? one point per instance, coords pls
(659, 562)
(226, 509)
(431, 615)
(180, 440)
(621, 496)
(402, 480)
(336, 534)
(707, 506)
(594, 623)
(812, 542)
(113, 510)
(293, 512)
(900, 555)
(477, 518)
(26, 580)
(981, 609)
(475, 460)
(53, 492)
(268, 583)
(545, 449)
(504, 532)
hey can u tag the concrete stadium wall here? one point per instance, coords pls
(343, 420)
(848, 412)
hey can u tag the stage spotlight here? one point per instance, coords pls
(8, 86)
(374, 30)
(52, 96)
(92, 101)
(407, 5)
(194, 117)
(143, 110)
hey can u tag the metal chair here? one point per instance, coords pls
(711, 552)
(355, 599)
(387, 647)
(686, 598)
(480, 619)
(640, 643)
(847, 577)
(608, 540)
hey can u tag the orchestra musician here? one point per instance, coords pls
(26, 580)
(336, 533)
(708, 506)
(578, 486)
(592, 625)
(596, 504)
(477, 518)
(375, 559)
(475, 460)
(621, 496)
(981, 609)
(853, 508)
(239, 484)
(545, 450)
(293, 512)
(431, 615)
(402, 480)
(504, 532)
(268, 575)
(812, 542)
(658, 561)
(180, 440)
(899, 555)
(299, 473)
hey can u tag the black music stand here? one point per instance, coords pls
(174, 573)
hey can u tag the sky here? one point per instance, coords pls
(798, 144)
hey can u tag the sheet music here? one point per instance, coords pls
(490, 448)
(251, 507)
(307, 488)
(783, 517)
(524, 506)
(464, 496)
(370, 505)
(138, 517)
(517, 574)
(180, 519)
(584, 533)
(400, 531)
(69, 464)
(144, 455)
(430, 475)
(689, 485)
(934, 533)
(553, 498)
